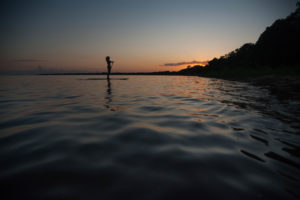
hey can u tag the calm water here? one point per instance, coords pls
(145, 137)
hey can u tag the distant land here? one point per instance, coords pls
(276, 52)
(272, 62)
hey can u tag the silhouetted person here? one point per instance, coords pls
(109, 63)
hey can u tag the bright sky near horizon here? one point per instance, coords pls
(139, 35)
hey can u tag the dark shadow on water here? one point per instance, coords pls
(250, 155)
(282, 159)
(108, 96)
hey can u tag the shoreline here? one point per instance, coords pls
(283, 87)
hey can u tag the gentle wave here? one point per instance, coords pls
(152, 137)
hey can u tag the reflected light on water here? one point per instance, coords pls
(200, 137)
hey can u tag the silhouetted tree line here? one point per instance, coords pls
(277, 47)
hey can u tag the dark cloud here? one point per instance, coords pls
(28, 60)
(186, 63)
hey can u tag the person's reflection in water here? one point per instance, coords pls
(108, 96)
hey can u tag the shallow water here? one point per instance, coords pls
(145, 137)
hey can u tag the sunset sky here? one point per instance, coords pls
(139, 35)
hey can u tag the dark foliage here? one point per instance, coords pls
(192, 70)
(277, 47)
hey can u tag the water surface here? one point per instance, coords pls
(145, 137)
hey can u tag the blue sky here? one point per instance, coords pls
(139, 35)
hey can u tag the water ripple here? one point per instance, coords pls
(147, 137)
